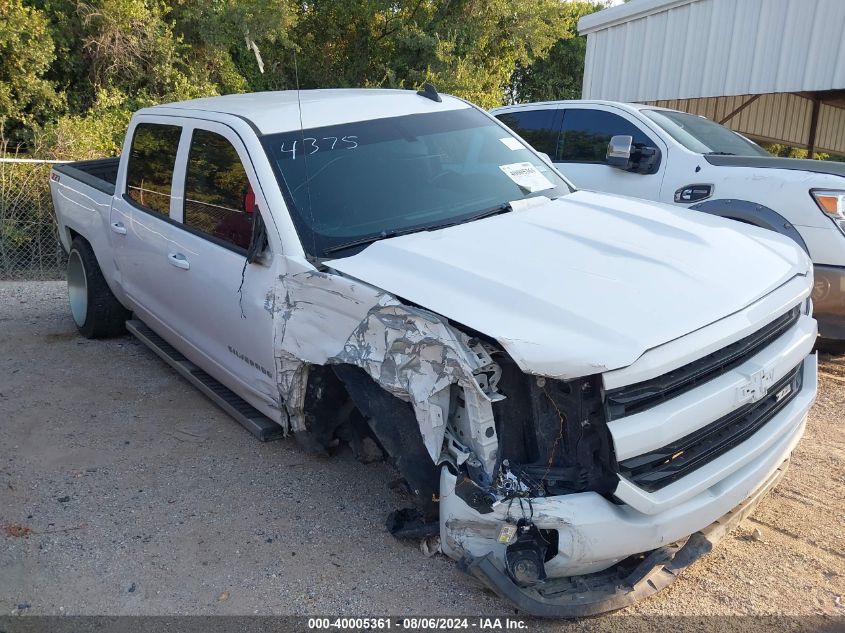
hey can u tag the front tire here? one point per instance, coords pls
(95, 311)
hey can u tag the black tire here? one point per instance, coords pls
(95, 310)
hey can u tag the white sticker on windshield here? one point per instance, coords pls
(527, 177)
(511, 143)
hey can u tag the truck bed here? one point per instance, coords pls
(82, 195)
(100, 173)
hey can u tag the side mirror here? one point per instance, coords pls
(546, 159)
(258, 242)
(622, 154)
(619, 152)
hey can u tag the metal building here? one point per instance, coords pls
(773, 70)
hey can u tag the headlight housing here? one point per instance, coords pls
(832, 202)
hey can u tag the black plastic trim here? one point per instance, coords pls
(751, 213)
(772, 162)
(643, 395)
(659, 468)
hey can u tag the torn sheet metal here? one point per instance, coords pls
(414, 354)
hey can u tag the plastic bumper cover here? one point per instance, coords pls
(586, 576)
(562, 598)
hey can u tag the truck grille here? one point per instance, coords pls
(652, 471)
(649, 393)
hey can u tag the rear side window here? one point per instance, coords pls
(535, 126)
(586, 134)
(149, 173)
(218, 199)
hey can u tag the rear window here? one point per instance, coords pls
(218, 197)
(149, 172)
(535, 126)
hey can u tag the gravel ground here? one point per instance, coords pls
(124, 491)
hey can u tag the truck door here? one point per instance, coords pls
(224, 303)
(582, 148)
(139, 220)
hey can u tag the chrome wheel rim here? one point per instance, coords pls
(77, 288)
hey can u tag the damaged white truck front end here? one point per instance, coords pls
(582, 391)
(606, 423)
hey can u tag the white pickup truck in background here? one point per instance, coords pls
(583, 392)
(684, 159)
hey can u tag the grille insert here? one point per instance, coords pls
(652, 471)
(649, 393)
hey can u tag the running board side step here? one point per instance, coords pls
(244, 413)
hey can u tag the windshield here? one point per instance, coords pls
(354, 183)
(703, 135)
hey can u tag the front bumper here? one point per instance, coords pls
(586, 596)
(829, 301)
(591, 571)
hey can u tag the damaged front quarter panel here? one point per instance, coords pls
(415, 355)
(429, 393)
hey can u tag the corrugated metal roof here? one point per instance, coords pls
(649, 50)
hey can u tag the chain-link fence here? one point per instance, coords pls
(29, 245)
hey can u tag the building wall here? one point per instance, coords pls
(650, 50)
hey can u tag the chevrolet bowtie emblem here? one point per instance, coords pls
(757, 386)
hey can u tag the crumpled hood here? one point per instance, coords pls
(586, 283)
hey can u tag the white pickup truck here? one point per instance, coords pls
(688, 160)
(583, 392)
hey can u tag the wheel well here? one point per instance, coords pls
(72, 235)
(394, 424)
(753, 214)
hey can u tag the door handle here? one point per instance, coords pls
(179, 260)
(118, 228)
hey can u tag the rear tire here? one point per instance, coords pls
(95, 310)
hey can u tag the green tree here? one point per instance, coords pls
(114, 56)
(480, 43)
(107, 58)
(130, 45)
(97, 132)
(466, 47)
(229, 39)
(787, 151)
(26, 51)
(558, 75)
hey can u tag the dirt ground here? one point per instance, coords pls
(124, 491)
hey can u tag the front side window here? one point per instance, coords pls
(535, 126)
(586, 133)
(149, 172)
(703, 136)
(354, 182)
(219, 201)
